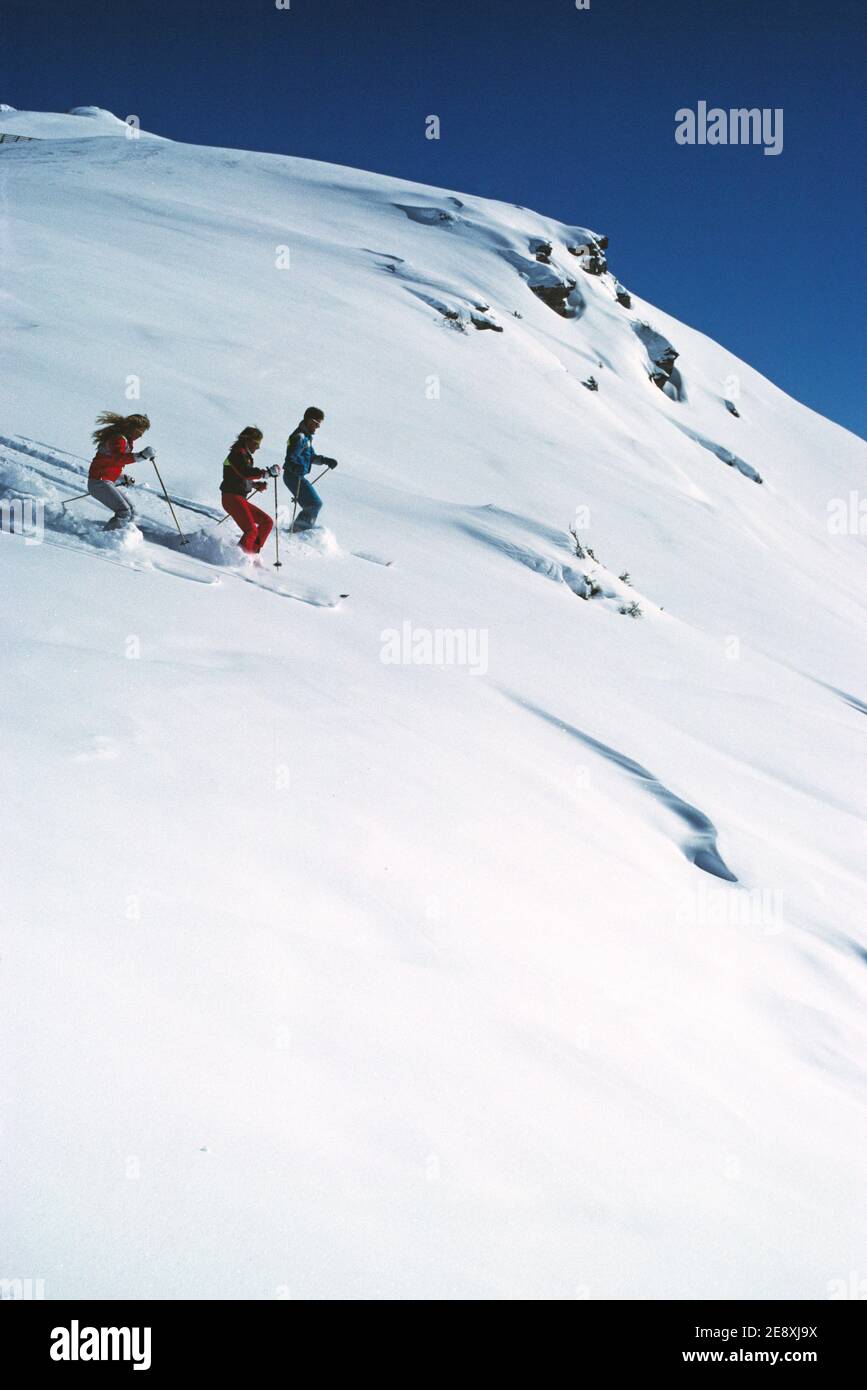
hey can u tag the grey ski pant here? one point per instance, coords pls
(111, 497)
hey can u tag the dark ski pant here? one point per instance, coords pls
(111, 497)
(254, 523)
(309, 501)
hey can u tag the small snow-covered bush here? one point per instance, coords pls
(578, 547)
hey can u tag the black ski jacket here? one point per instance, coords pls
(239, 471)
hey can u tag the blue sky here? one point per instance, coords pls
(565, 111)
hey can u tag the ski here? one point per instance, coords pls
(372, 559)
(311, 597)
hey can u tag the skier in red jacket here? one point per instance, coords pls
(240, 478)
(114, 437)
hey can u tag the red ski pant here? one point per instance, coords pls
(254, 523)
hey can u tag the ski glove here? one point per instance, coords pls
(260, 487)
(332, 463)
(273, 471)
(146, 453)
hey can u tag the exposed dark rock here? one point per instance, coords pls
(557, 297)
(591, 383)
(458, 320)
(662, 356)
(591, 254)
(479, 321)
(594, 263)
(453, 319)
(732, 408)
(662, 367)
(556, 289)
(542, 250)
(622, 296)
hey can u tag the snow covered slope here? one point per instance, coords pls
(331, 970)
(81, 123)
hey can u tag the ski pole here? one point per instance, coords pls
(77, 498)
(297, 492)
(295, 507)
(184, 540)
(278, 564)
(226, 517)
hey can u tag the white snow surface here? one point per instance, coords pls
(327, 976)
(81, 123)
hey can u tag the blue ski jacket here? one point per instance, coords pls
(300, 454)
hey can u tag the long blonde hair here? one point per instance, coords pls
(109, 423)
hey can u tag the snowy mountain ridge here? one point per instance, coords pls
(536, 970)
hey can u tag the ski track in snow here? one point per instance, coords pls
(56, 458)
(88, 535)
